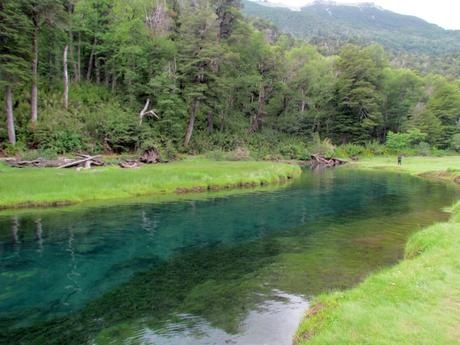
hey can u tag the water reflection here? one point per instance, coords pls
(274, 320)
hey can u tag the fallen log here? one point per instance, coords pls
(129, 164)
(80, 161)
(36, 163)
(316, 160)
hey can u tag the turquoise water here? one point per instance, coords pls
(220, 270)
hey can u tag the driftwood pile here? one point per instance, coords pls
(82, 161)
(318, 160)
(150, 156)
(129, 164)
(85, 161)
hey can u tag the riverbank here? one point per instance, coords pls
(446, 168)
(415, 302)
(40, 187)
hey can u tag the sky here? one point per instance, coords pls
(445, 13)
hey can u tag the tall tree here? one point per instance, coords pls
(14, 54)
(402, 91)
(358, 95)
(66, 77)
(444, 105)
(40, 12)
(200, 54)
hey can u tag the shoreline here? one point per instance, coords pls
(389, 298)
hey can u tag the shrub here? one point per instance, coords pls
(14, 150)
(294, 151)
(322, 147)
(350, 150)
(398, 142)
(58, 140)
(423, 149)
(455, 142)
(216, 155)
(376, 149)
(240, 154)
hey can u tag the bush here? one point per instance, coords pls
(294, 151)
(350, 150)
(376, 149)
(398, 142)
(322, 147)
(239, 154)
(14, 150)
(34, 154)
(216, 155)
(423, 149)
(455, 142)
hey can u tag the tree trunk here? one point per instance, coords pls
(114, 82)
(106, 75)
(78, 75)
(191, 123)
(210, 122)
(257, 120)
(66, 79)
(90, 63)
(222, 121)
(72, 57)
(34, 93)
(97, 68)
(302, 105)
(9, 115)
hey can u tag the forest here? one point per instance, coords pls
(409, 41)
(114, 76)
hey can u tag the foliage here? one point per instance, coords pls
(455, 142)
(322, 147)
(398, 142)
(211, 81)
(411, 41)
(350, 150)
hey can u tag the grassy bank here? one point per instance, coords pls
(47, 187)
(446, 168)
(415, 302)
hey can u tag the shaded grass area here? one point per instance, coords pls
(445, 168)
(51, 187)
(415, 302)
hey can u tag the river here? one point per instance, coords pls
(213, 269)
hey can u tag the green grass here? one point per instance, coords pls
(447, 168)
(415, 302)
(47, 187)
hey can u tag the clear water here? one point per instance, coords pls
(219, 270)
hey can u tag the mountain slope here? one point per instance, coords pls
(410, 40)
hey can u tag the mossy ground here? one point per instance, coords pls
(415, 302)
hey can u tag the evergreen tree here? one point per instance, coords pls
(14, 55)
(358, 97)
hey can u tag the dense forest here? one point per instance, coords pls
(409, 41)
(195, 76)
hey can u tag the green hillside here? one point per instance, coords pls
(411, 41)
